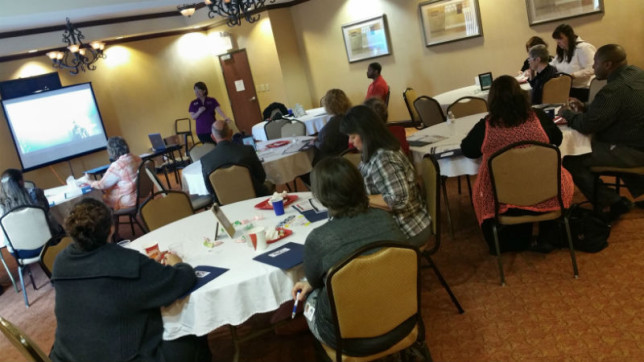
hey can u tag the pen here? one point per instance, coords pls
(297, 299)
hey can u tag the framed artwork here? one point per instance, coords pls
(544, 11)
(444, 21)
(366, 39)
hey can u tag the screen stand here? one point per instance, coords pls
(71, 169)
(216, 231)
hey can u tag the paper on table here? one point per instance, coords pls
(285, 257)
(312, 210)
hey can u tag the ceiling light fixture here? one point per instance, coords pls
(78, 55)
(236, 10)
(187, 9)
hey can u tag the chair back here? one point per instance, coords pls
(409, 95)
(49, 252)
(429, 111)
(273, 128)
(595, 86)
(164, 208)
(22, 342)
(27, 231)
(467, 106)
(431, 176)
(353, 155)
(557, 89)
(182, 126)
(232, 184)
(144, 185)
(199, 150)
(293, 128)
(155, 180)
(525, 173)
(388, 276)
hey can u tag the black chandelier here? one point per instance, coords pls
(236, 10)
(77, 56)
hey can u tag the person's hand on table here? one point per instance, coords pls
(304, 287)
(378, 202)
(170, 259)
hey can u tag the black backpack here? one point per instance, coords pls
(589, 231)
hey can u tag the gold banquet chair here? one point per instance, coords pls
(293, 128)
(197, 201)
(617, 172)
(431, 177)
(557, 89)
(595, 86)
(388, 298)
(144, 188)
(232, 184)
(429, 111)
(353, 155)
(169, 207)
(49, 253)
(22, 342)
(527, 173)
(199, 150)
(467, 106)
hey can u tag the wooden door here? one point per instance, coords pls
(241, 90)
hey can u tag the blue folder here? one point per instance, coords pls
(205, 274)
(284, 257)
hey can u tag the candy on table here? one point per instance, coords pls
(209, 243)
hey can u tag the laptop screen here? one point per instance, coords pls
(485, 79)
(157, 141)
(249, 141)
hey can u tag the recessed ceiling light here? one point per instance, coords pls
(33, 51)
(196, 27)
(119, 37)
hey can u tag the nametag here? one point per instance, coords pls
(279, 252)
(309, 311)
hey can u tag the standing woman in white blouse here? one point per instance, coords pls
(574, 57)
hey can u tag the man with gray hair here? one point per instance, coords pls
(616, 119)
(540, 71)
(227, 153)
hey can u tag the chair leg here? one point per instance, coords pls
(573, 257)
(498, 253)
(132, 223)
(31, 277)
(449, 214)
(22, 284)
(444, 283)
(13, 281)
(459, 184)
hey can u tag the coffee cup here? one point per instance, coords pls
(278, 207)
(258, 238)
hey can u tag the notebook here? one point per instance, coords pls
(485, 80)
(158, 144)
(284, 257)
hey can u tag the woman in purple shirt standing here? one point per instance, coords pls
(202, 110)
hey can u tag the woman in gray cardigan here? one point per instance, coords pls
(108, 298)
(339, 186)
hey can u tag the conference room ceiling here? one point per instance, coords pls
(40, 24)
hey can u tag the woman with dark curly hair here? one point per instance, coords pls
(108, 298)
(330, 141)
(511, 119)
(338, 185)
(119, 181)
(575, 57)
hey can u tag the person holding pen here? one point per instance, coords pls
(339, 186)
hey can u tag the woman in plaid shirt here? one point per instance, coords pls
(389, 176)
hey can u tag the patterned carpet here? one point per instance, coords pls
(542, 314)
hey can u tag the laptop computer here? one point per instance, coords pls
(249, 141)
(158, 144)
(485, 80)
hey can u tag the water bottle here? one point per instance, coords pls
(451, 123)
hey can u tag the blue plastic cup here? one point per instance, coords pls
(278, 207)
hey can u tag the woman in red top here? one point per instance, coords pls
(511, 120)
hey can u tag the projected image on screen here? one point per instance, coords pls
(54, 126)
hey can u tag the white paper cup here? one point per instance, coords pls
(258, 238)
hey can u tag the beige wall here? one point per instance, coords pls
(440, 68)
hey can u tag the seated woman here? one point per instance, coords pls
(108, 298)
(119, 182)
(13, 194)
(338, 185)
(511, 120)
(378, 106)
(330, 141)
(389, 176)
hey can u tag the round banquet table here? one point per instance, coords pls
(447, 98)
(282, 164)
(247, 288)
(446, 140)
(314, 119)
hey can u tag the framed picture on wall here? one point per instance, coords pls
(444, 21)
(544, 11)
(366, 39)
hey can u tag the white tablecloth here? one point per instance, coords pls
(247, 288)
(447, 98)
(315, 119)
(574, 143)
(282, 164)
(63, 201)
